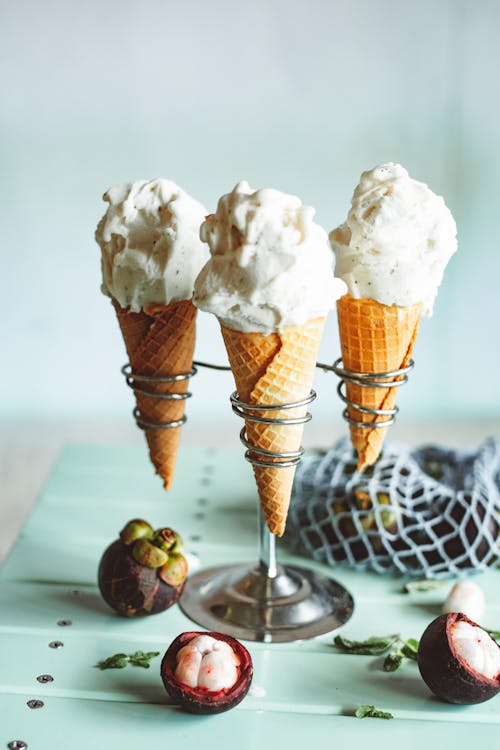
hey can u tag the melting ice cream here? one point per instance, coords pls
(270, 266)
(396, 240)
(149, 237)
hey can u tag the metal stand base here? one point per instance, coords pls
(267, 602)
(243, 601)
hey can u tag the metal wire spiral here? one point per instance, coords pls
(388, 379)
(142, 384)
(251, 413)
(139, 383)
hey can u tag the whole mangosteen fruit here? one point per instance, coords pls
(458, 660)
(206, 673)
(144, 571)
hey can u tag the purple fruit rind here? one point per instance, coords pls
(132, 589)
(444, 671)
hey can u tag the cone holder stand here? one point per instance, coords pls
(140, 383)
(267, 601)
(388, 379)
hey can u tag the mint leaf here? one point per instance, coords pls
(363, 712)
(119, 661)
(374, 646)
(416, 587)
(410, 649)
(393, 661)
(370, 647)
(406, 649)
(140, 659)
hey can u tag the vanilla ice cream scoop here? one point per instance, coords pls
(207, 663)
(396, 240)
(149, 238)
(270, 266)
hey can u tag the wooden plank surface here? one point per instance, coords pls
(299, 688)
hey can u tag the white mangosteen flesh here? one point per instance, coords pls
(477, 649)
(207, 663)
(467, 597)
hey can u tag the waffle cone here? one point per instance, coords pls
(272, 370)
(160, 342)
(374, 338)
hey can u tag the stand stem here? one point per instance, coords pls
(267, 548)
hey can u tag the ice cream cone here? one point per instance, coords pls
(374, 338)
(272, 370)
(160, 342)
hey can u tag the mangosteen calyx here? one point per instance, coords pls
(135, 529)
(458, 660)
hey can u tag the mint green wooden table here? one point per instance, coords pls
(303, 694)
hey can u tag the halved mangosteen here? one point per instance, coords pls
(458, 660)
(206, 673)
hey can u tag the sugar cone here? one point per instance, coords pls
(160, 342)
(374, 338)
(271, 370)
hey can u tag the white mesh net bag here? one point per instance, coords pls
(431, 512)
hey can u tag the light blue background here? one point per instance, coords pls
(301, 96)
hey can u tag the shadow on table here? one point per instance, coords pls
(83, 598)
